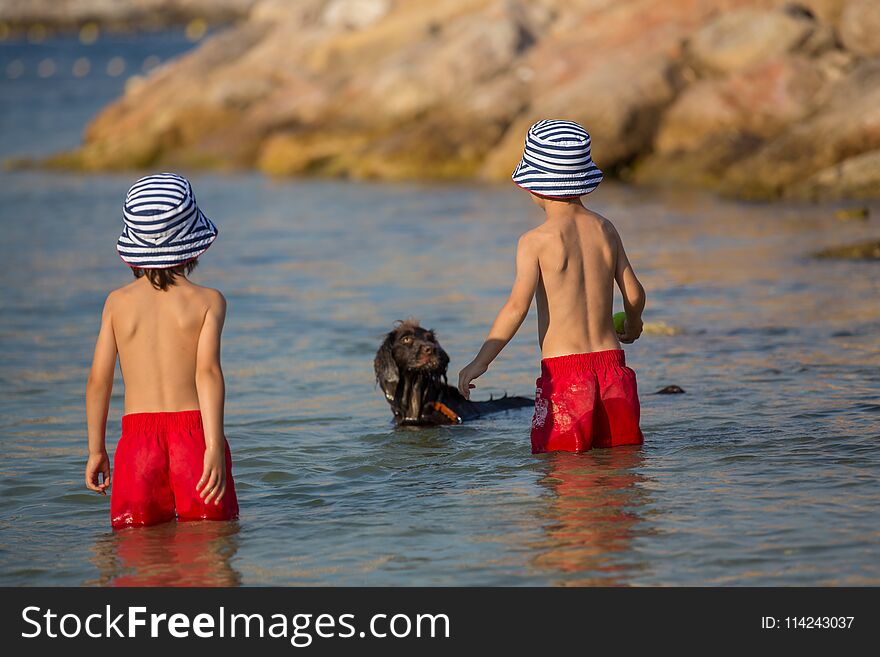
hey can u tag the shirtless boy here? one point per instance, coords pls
(586, 396)
(172, 459)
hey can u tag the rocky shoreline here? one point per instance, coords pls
(752, 98)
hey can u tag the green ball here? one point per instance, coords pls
(619, 319)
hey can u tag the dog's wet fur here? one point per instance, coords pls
(411, 370)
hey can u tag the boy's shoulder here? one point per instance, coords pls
(535, 237)
(604, 222)
(209, 297)
(532, 243)
(208, 292)
(121, 293)
(607, 231)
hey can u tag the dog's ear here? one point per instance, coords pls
(387, 374)
(443, 357)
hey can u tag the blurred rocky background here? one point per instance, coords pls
(52, 15)
(751, 98)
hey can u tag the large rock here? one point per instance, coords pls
(860, 27)
(740, 39)
(684, 92)
(846, 125)
(762, 101)
(715, 122)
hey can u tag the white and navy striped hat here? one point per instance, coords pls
(556, 162)
(163, 224)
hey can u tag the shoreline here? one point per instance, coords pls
(71, 161)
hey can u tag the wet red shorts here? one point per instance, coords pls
(158, 462)
(584, 401)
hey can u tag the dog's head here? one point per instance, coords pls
(409, 350)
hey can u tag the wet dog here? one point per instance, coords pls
(411, 370)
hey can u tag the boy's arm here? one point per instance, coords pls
(633, 296)
(510, 317)
(98, 390)
(212, 392)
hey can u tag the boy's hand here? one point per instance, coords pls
(98, 464)
(631, 331)
(470, 372)
(212, 485)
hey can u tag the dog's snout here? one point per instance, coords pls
(428, 349)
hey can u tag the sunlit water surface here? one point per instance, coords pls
(765, 472)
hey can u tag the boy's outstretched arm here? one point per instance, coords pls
(98, 390)
(510, 317)
(633, 296)
(212, 392)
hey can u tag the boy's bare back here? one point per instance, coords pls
(578, 256)
(159, 335)
(569, 264)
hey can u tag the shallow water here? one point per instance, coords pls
(765, 472)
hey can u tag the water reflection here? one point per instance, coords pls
(596, 507)
(170, 554)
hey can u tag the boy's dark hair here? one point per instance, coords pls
(162, 279)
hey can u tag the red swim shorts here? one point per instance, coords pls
(158, 462)
(584, 401)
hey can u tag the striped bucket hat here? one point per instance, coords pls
(556, 162)
(163, 224)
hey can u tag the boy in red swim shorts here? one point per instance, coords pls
(172, 459)
(586, 396)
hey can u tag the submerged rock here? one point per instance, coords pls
(861, 251)
(852, 214)
(670, 390)
(661, 329)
